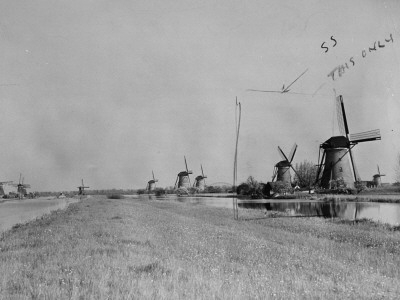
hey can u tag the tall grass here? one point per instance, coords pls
(106, 249)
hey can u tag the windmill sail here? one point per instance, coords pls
(365, 136)
(340, 119)
(292, 152)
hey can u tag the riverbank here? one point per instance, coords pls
(131, 248)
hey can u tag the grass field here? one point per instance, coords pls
(139, 249)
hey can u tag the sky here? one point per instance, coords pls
(107, 91)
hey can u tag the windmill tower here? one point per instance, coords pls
(21, 187)
(200, 181)
(82, 189)
(337, 159)
(282, 168)
(183, 179)
(151, 184)
(2, 183)
(377, 178)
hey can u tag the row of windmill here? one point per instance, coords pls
(21, 187)
(337, 160)
(182, 180)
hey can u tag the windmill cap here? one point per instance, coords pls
(184, 173)
(283, 164)
(336, 142)
(200, 177)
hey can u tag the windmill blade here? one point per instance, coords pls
(365, 136)
(292, 153)
(187, 170)
(379, 173)
(320, 165)
(355, 171)
(298, 176)
(346, 127)
(176, 181)
(339, 114)
(274, 174)
(153, 175)
(202, 173)
(282, 154)
(20, 176)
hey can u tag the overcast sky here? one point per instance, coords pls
(108, 91)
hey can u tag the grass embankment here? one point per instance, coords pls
(122, 249)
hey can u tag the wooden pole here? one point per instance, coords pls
(237, 127)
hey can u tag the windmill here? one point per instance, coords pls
(377, 178)
(282, 168)
(183, 179)
(151, 185)
(200, 181)
(21, 187)
(337, 161)
(82, 189)
(2, 183)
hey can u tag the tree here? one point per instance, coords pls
(250, 188)
(306, 173)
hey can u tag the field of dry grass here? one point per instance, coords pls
(133, 249)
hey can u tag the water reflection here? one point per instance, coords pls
(380, 212)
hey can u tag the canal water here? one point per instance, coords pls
(388, 213)
(13, 212)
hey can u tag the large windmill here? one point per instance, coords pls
(151, 184)
(82, 189)
(21, 187)
(377, 178)
(282, 168)
(200, 181)
(2, 183)
(183, 179)
(337, 160)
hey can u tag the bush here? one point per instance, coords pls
(115, 196)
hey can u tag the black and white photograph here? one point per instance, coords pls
(199, 149)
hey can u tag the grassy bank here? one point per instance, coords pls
(127, 248)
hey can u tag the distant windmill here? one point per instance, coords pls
(82, 189)
(2, 183)
(282, 168)
(21, 187)
(183, 179)
(151, 185)
(337, 154)
(200, 181)
(377, 178)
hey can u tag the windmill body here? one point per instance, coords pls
(283, 171)
(377, 179)
(337, 163)
(183, 179)
(151, 184)
(21, 187)
(81, 189)
(200, 181)
(282, 168)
